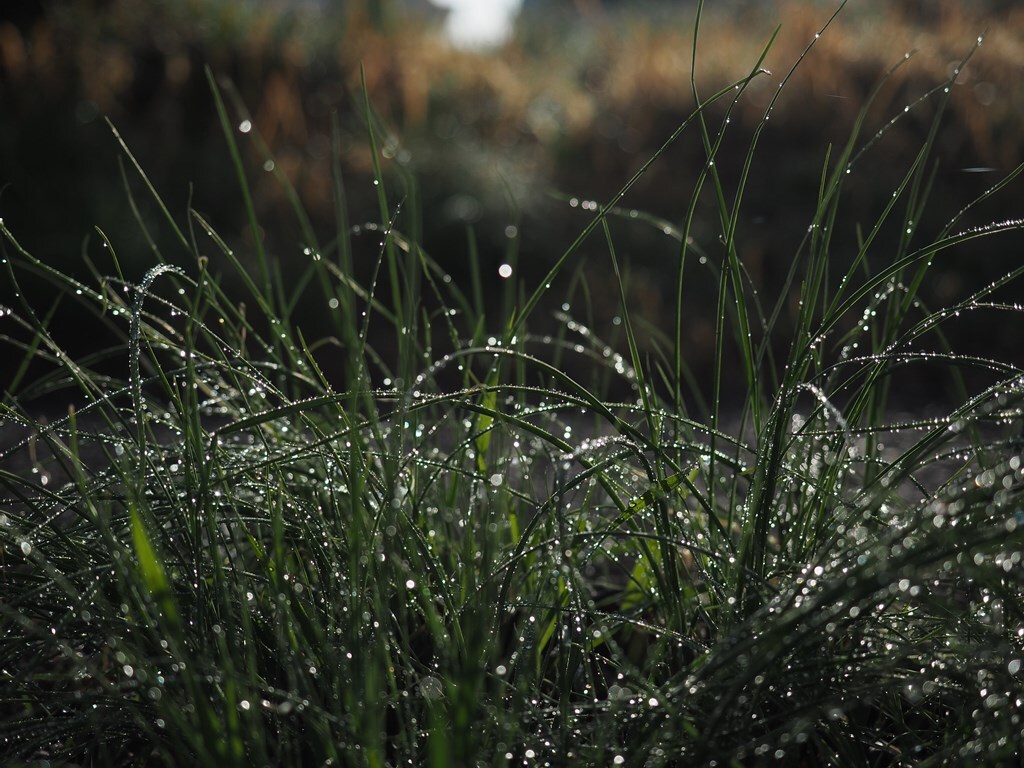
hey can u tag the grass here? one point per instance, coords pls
(459, 553)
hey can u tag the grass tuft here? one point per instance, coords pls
(469, 549)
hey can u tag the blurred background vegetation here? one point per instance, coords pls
(499, 141)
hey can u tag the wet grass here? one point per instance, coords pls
(458, 553)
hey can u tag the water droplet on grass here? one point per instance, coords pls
(431, 689)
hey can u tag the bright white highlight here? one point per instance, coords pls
(479, 23)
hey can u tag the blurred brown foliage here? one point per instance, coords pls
(599, 81)
(574, 103)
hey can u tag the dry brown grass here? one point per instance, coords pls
(547, 85)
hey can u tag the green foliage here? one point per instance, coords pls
(464, 554)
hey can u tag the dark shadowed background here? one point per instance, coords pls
(509, 143)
